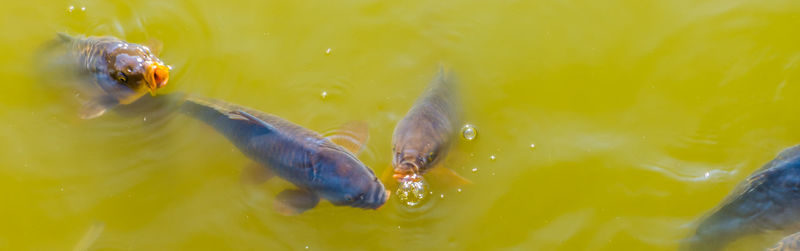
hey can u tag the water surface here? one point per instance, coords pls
(644, 115)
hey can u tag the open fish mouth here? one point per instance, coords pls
(407, 170)
(157, 76)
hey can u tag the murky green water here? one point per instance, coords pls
(643, 115)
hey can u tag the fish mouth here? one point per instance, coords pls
(407, 170)
(377, 200)
(156, 77)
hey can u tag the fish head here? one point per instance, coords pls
(410, 162)
(345, 181)
(137, 68)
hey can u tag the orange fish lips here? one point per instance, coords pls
(156, 77)
(407, 171)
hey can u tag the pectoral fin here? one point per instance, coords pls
(294, 202)
(255, 174)
(95, 108)
(448, 176)
(155, 45)
(64, 37)
(352, 136)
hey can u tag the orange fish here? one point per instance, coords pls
(107, 71)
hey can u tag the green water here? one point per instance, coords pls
(643, 114)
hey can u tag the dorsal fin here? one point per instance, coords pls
(250, 118)
(155, 46)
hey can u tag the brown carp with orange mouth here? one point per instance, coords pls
(424, 136)
(106, 71)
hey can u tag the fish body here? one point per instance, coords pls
(768, 200)
(318, 167)
(423, 137)
(107, 71)
(788, 243)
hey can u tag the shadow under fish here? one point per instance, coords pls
(319, 168)
(767, 201)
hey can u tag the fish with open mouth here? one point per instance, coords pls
(424, 136)
(105, 71)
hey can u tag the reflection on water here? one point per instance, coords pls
(614, 125)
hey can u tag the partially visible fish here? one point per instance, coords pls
(424, 136)
(788, 243)
(106, 71)
(768, 200)
(316, 165)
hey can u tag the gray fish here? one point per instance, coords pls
(316, 165)
(424, 136)
(105, 71)
(768, 200)
(788, 243)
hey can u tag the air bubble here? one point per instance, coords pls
(533, 145)
(492, 157)
(328, 51)
(324, 94)
(412, 190)
(469, 132)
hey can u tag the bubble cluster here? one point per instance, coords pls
(412, 190)
(469, 132)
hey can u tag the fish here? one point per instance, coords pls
(788, 243)
(423, 137)
(766, 201)
(105, 71)
(318, 167)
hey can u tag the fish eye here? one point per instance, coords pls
(121, 77)
(348, 197)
